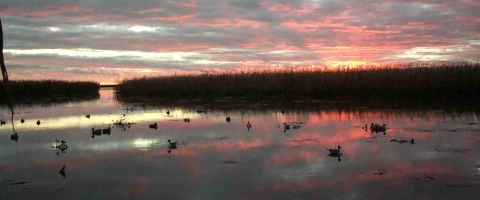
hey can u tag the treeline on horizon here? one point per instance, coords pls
(26, 90)
(447, 80)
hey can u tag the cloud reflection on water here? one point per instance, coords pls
(221, 159)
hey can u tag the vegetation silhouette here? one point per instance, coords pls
(37, 91)
(444, 80)
(5, 83)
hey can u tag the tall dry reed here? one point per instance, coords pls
(442, 80)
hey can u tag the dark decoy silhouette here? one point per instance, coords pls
(377, 128)
(96, 132)
(88, 116)
(62, 171)
(335, 152)
(412, 141)
(14, 137)
(186, 120)
(286, 127)
(228, 119)
(2, 122)
(155, 126)
(168, 112)
(283, 112)
(107, 131)
(38, 122)
(22, 121)
(172, 145)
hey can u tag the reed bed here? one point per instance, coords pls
(423, 81)
(26, 90)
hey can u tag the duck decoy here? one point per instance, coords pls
(62, 171)
(38, 122)
(168, 113)
(335, 152)
(228, 119)
(249, 125)
(412, 141)
(96, 132)
(186, 120)
(87, 116)
(22, 120)
(377, 128)
(14, 137)
(107, 131)
(2, 122)
(286, 126)
(172, 145)
(155, 126)
(201, 111)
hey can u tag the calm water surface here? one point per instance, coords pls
(220, 160)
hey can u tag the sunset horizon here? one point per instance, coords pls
(107, 42)
(239, 99)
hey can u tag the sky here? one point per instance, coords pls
(110, 40)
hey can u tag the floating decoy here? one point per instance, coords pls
(153, 125)
(186, 120)
(249, 125)
(22, 121)
(107, 131)
(228, 119)
(382, 128)
(2, 122)
(88, 116)
(377, 128)
(412, 141)
(334, 152)
(96, 132)
(201, 111)
(286, 126)
(14, 137)
(172, 145)
(38, 122)
(168, 112)
(62, 171)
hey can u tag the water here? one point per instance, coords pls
(220, 160)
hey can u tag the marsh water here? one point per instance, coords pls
(215, 159)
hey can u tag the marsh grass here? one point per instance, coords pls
(31, 90)
(447, 80)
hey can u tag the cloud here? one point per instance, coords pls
(233, 34)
